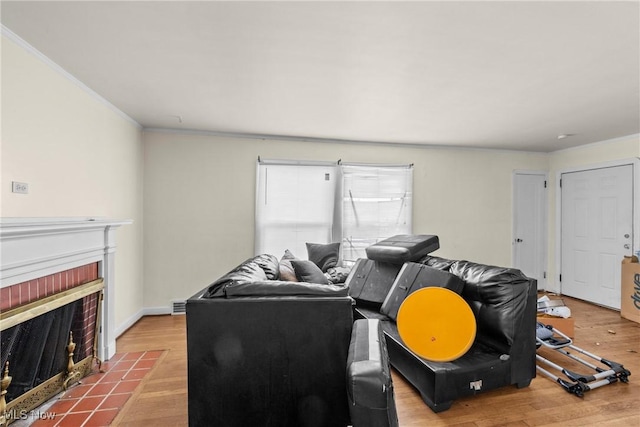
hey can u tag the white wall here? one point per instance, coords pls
(79, 157)
(199, 202)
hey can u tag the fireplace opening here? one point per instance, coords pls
(48, 340)
(37, 348)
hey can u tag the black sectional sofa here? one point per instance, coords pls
(264, 352)
(268, 352)
(503, 301)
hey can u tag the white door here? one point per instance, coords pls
(596, 232)
(529, 225)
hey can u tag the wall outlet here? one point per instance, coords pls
(20, 187)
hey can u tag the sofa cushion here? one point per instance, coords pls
(369, 281)
(369, 382)
(286, 269)
(414, 276)
(308, 271)
(497, 296)
(324, 256)
(287, 273)
(250, 270)
(403, 248)
(269, 264)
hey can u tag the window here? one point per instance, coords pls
(376, 204)
(294, 205)
(357, 204)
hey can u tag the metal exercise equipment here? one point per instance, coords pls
(577, 383)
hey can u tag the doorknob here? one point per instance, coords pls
(627, 246)
(626, 236)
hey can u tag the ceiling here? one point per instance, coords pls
(506, 75)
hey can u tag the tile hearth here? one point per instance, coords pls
(99, 397)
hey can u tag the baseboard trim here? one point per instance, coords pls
(145, 311)
(156, 311)
(121, 329)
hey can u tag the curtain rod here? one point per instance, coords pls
(379, 165)
(328, 163)
(296, 162)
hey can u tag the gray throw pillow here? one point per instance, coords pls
(307, 271)
(324, 256)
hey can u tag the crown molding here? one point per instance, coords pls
(595, 144)
(6, 32)
(294, 138)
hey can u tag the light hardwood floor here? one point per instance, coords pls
(161, 400)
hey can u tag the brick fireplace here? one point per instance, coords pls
(33, 290)
(28, 295)
(55, 274)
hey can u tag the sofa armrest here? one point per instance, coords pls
(280, 359)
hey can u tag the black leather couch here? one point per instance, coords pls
(266, 352)
(503, 301)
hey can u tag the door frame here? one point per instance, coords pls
(635, 240)
(545, 221)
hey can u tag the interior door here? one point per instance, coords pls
(597, 232)
(529, 242)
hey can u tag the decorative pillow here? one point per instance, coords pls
(287, 272)
(288, 255)
(324, 256)
(307, 271)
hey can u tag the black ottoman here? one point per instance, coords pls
(403, 248)
(370, 279)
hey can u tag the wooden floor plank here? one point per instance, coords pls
(162, 398)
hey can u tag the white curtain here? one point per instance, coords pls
(376, 204)
(319, 202)
(294, 205)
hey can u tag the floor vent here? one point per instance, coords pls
(179, 307)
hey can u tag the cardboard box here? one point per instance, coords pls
(566, 326)
(630, 291)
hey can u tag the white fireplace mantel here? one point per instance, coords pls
(31, 248)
